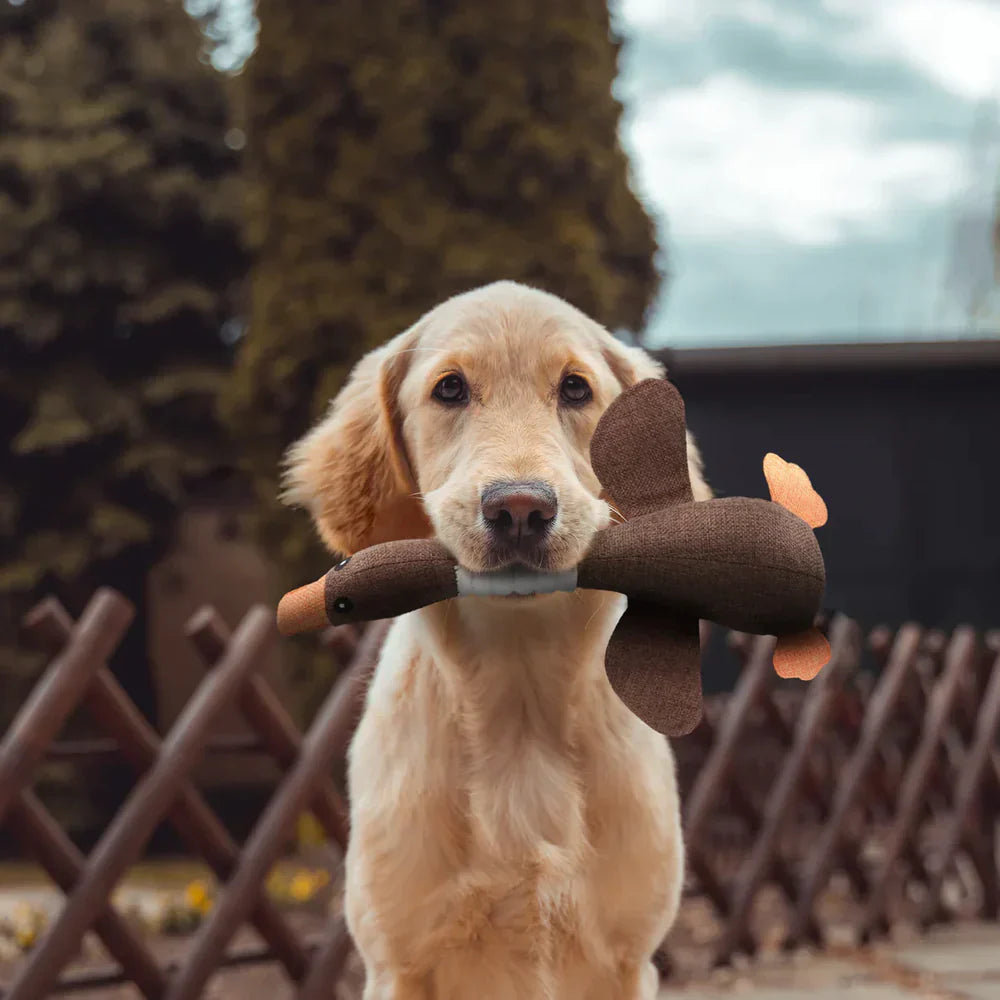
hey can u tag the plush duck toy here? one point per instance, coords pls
(748, 564)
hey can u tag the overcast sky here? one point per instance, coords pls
(820, 169)
(813, 163)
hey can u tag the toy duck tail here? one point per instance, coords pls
(790, 487)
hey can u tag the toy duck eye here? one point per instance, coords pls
(452, 389)
(575, 390)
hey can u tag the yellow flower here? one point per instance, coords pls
(309, 831)
(26, 924)
(276, 882)
(26, 937)
(301, 887)
(197, 897)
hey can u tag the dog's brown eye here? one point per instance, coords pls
(452, 389)
(575, 389)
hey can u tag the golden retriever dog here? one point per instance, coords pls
(515, 829)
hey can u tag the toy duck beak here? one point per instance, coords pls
(304, 609)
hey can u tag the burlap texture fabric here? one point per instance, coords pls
(654, 665)
(639, 449)
(639, 453)
(390, 579)
(747, 564)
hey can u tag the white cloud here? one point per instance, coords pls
(674, 19)
(955, 42)
(683, 20)
(798, 213)
(730, 157)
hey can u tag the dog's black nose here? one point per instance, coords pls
(519, 515)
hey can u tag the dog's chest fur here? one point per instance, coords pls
(502, 822)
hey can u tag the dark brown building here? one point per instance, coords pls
(903, 443)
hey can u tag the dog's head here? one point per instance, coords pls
(473, 426)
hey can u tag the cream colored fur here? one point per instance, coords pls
(515, 829)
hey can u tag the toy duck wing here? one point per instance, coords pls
(790, 487)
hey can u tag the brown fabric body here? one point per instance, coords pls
(639, 452)
(390, 579)
(747, 564)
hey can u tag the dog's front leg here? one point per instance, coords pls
(638, 982)
(385, 985)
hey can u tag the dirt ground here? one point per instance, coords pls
(959, 962)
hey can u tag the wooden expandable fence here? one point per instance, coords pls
(884, 772)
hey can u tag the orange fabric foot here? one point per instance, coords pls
(802, 655)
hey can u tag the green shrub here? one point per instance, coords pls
(404, 151)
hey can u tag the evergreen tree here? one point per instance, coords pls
(120, 254)
(404, 151)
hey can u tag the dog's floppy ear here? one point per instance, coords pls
(352, 471)
(631, 365)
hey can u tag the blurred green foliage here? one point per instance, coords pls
(399, 152)
(121, 248)
(404, 151)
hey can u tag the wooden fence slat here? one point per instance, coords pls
(332, 953)
(820, 794)
(970, 778)
(268, 718)
(129, 831)
(724, 738)
(938, 791)
(708, 881)
(851, 783)
(94, 638)
(749, 812)
(845, 653)
(39, 834)
(105, 976)
(189, 813)
(889, 767)
(268, 835)
(911, 796)
(341, 640)
(937, 799)
(715, 772)
(976, 835)
(357, 679)
(928, 667)
(98, 747)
